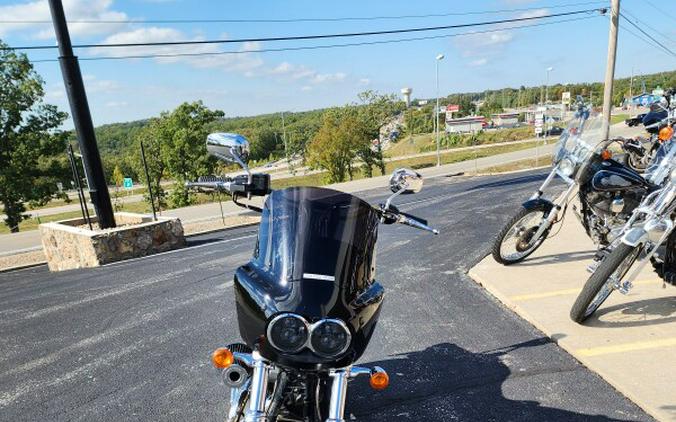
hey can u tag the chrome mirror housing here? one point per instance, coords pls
(229, 147)
(406, 180)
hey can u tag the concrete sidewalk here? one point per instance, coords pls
(630, 342)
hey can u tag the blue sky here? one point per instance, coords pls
(262, 82)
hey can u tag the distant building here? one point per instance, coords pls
(505, 119)
(465, 124)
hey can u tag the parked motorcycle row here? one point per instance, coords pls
(308, 302)
(627, 204)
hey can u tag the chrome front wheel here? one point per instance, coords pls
(516, 240)
(603, 281)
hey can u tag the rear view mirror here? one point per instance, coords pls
(405, 180)
(230, 147)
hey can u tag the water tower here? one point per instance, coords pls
(406, 92)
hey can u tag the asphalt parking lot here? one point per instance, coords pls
(131, 341)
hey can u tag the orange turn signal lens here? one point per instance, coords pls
(222, 358)
(379, 380)
(606, 154)
(666, 133)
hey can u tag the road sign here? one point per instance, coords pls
(565, 98)
(539, 122)
(453, 107)
(128, 184)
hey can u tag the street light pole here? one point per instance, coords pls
(549, 69)
(436, 110)
(82, 119)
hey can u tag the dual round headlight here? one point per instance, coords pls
(290, 333)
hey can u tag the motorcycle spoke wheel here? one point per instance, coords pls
(602, 282)
(515, 242)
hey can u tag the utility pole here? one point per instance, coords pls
(610, 67)
(82, 119)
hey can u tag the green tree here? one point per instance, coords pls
(31, 149)
(175, 145)
(331, 149)
(152, 137)
(375, 110)
(118, 181)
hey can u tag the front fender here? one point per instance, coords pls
(538, 204)
(635, 237)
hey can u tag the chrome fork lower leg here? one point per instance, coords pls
(338, 395)
(259, 385)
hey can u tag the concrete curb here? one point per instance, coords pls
(220, 229)
(22, 267)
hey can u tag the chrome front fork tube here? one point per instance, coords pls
(544, 185)
(338, 395)
(259, 385)
(554, 213)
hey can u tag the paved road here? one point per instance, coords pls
(131, 341)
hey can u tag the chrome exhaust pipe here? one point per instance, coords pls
(234, 376)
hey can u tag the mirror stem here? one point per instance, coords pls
(394, 195)
(240, 162)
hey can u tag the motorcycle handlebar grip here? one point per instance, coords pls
(416, 224)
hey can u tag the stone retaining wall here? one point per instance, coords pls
(69, 244)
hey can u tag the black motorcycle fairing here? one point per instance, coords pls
(316, 234)
(314, 257)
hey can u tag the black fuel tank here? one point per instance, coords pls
(614, 177)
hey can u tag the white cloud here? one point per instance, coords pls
(364, 81)
(304, 73)
(306, 88)
(244, 61)
(482, 43)
(328, 77)
(75, 10)
(478, 62)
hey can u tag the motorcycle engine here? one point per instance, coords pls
(602, 203)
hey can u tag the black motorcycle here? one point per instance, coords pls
(608, 192)
(307, 302)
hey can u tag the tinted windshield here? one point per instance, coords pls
(316, 234)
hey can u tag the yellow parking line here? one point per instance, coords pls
(627, 347)
(565, 292)
(532, 296)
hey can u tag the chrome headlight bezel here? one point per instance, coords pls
(277, 320)
(343, 327)
(310, 330)
(567, 167)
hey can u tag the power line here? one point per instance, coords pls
(296, 20)
(316, 47)
(665, 48)
(666, 37)
(316, 37)
(661, 10)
